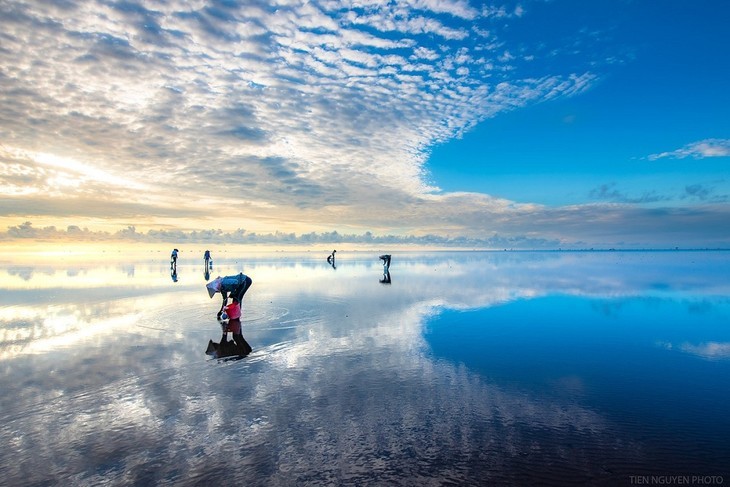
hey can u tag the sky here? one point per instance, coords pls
(529, 124)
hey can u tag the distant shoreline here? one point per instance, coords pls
(103, 250)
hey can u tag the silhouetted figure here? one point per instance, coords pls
(234, 326)
(235, 285)
(223, 349)
(331, 258)
(173, 258)
(208, 260)
(238, 347)
(386, 261)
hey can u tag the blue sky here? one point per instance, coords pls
(663, 72)
(518, 124)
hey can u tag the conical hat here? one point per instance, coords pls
(214, 286)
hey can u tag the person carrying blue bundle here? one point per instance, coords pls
(236, 286)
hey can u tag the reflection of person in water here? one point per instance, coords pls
(223, 349)
(386, 277)
(234, 326)
(230, 323)
(173, 273)
(235, 285)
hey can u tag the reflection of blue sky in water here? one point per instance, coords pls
(105, 377)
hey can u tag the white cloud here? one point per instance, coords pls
(425, 53)
(697, 150)
(456, 8)
(389, 22)
(300, 113)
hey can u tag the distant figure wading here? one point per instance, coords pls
(173, 258)
(386, 261)
(386, 269)
(331, 257)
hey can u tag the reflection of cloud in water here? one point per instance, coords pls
(25, 273)
(38, 328)
(706, 350)
(340, 387)
(344, 417)
(378, 423)
(80, 277)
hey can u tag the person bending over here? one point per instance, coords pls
(236, 286)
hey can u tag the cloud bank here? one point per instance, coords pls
(638, 225)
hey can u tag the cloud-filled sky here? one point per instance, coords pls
(567, 122)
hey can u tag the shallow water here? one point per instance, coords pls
(469, 368)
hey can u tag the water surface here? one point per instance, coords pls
(473, 368)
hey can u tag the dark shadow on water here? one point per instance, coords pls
(229, 349)
(225, 350)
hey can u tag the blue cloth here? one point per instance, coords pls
(231, 283)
